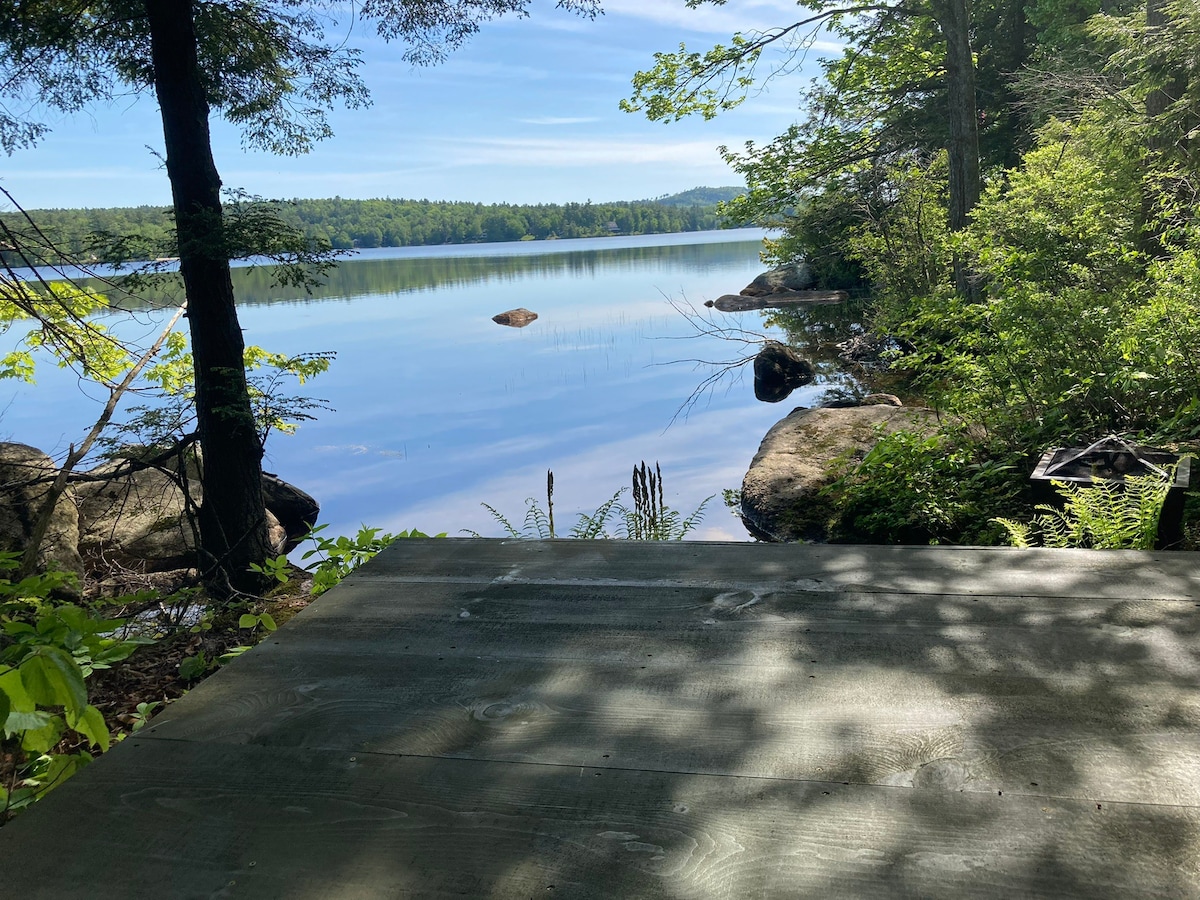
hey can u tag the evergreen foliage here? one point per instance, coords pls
(147, 232)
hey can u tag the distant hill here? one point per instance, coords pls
(701, 196)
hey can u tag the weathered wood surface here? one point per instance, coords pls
(610, 719)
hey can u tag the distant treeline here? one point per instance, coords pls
(346, 224)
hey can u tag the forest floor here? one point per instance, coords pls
(194, 636)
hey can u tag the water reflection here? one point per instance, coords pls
(438, 409)
(417, 269)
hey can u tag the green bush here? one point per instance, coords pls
(921, 489)
(340, 556)
(47, 650)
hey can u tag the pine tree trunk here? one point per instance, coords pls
(233, 530)
(955, 21)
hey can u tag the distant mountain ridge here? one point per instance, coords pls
(700, 196)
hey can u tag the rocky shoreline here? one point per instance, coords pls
(127, 524)
(781, 497)
(782, 493)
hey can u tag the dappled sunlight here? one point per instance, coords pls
(605, 718)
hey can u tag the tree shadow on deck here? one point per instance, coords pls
(498, 719)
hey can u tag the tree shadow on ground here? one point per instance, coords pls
(609, 719)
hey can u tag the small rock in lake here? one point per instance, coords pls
(515, 318)
(779, 370)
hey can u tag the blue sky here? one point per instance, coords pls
(525, 113)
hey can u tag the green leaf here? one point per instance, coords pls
(5, 708)
(268, 622)
(91, 725)
(56, 769)
(14, 689)
(232, 654)
(193, 667)
(22, 720)
(52, 678)
(247, 620)
(41, 740)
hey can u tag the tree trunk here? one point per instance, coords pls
(1158, 101)
(233, 531)
(1160, 143)
(954, 19)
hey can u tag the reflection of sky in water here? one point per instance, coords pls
(440, 409)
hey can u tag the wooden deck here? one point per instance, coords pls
(596, 719)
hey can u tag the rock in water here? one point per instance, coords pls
(296, 511)
(781, 300)
(795, 277)
(781, 493)
(515, 318)
(779, 370)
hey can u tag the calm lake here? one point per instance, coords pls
(438, 409)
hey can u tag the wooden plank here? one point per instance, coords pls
(608, 719)
(1127, 639)
(1061, 657)
(221, 821)
(1114, 574)
(386, 602)
(849, 723)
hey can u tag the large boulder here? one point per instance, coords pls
(139, 517)
(779, 370)
(781, 491)
(296, 511)
(26, 475)
(794, 277)
(135, 519)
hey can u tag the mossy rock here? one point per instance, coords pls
(781, 493)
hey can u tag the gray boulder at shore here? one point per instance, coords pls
(26, 474)
(781, 499)
(117, 520)
(794, 277)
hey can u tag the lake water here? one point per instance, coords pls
(438, 409)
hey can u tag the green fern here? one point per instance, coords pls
(592, 527)
(1104, 516)
(649, 519)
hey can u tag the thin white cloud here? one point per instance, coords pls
(559, 120)
(575, 152)
(757, 15)
(724, 21)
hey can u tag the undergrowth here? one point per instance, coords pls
(649, 518)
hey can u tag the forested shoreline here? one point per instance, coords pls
(147, 232)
